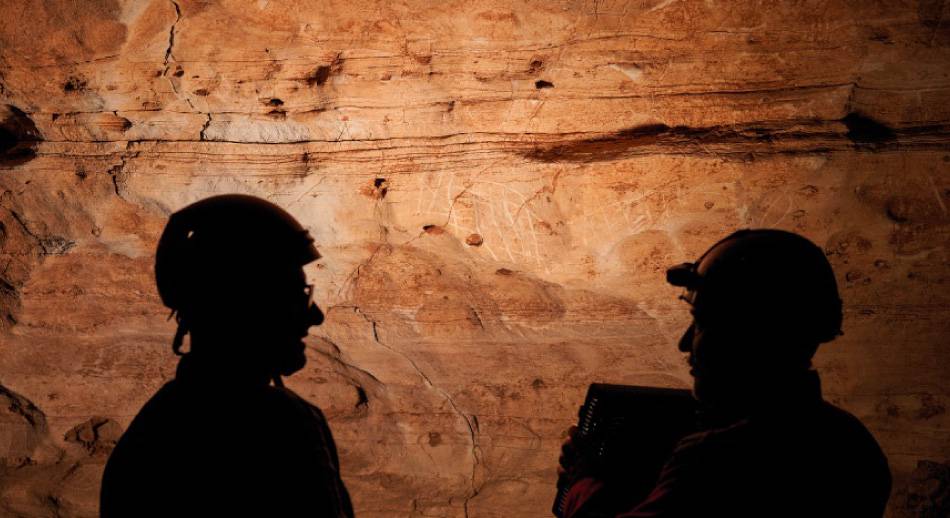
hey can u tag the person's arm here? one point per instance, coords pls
(676, 492)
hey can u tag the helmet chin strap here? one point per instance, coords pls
(179, 338)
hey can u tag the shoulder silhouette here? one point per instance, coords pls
(762, 302)
(225, 438)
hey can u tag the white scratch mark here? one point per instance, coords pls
(933, 186)
(661, 5)
(632, 71)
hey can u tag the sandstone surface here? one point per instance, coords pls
(496, 187)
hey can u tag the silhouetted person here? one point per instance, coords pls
(762, 301)
(219, 439)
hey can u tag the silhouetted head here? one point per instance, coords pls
(762, 301)
(231, 269)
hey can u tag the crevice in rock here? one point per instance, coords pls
(549, 189)
(18, 136)
(171, 35)
(49, 244)
(793, 136)
(336, 356)
(170, 55)
(471, 421)
(201, 134)
(114, 173)
(362, 401)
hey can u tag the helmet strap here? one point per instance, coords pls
(179, 337)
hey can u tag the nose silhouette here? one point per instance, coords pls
(686, 342)
(315, 316)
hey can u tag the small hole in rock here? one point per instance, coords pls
(432, 229)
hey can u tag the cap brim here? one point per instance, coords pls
(683, 275)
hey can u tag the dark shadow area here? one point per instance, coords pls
(762, 302)
(865, 130)
(805, 136)
(224, 437)
(18, 137)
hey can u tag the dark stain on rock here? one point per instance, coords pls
(541, 84)
(843, 245)
(930, 13)
(9, 294)
(203, 92)
(275, 102)
(854, 276)
(601, 148)
(55, 245)
(323, 72)
(435, 439)
(362, 400)
(97, 435)
(24, 427)
(474, 240)
(74, 84)
(538, 383)
(881, 36)
(277, 114)
(893, 411)
(319, 76)
(865, 130)
(898, 209)
(536, 66)
(504, 271)
(434, 230)
(18, 136)
(818, 136)
(378, 189)
(927, 492)
(929, 407)
(381, 186)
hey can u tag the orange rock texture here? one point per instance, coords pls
(496, 187)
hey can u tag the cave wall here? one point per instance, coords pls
(496, 187)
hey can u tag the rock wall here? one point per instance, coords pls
(496, 187)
